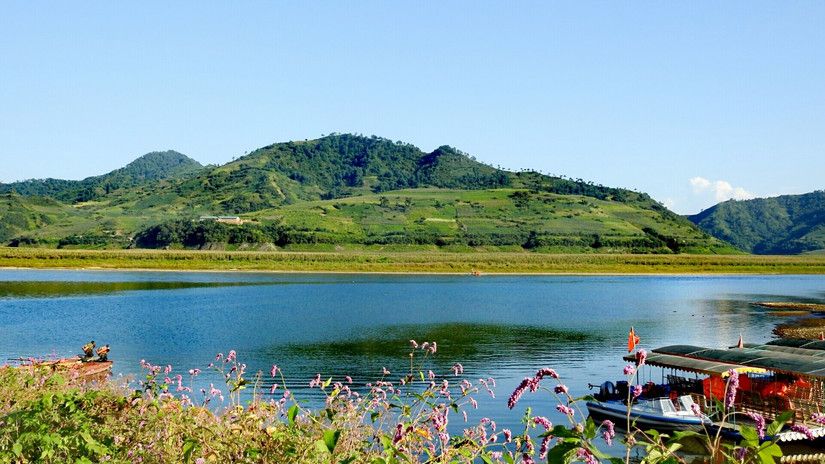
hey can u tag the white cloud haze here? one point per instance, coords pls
(721, 189)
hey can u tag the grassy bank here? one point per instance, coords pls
(410, 261)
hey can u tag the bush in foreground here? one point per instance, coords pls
(51, 418)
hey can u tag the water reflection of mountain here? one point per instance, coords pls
(479, 347)
(57, 289)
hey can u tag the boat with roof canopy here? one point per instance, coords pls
(781, 375)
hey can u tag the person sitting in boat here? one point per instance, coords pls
(103, 353)
(88, 350)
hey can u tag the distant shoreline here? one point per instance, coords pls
(411, 262)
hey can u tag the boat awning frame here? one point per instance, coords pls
(683, 363)
(773, 360)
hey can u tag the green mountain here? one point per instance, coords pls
(151, 167)
(787, 224)
(350, 190)
(345, 165)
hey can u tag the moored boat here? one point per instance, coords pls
(662, 414)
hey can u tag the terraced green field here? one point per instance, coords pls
(416, 260)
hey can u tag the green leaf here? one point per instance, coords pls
(771, 450)
(321, 446)
(562, 432)
(486, 459)
(326, 383)
(291, 414)
(188, 449)
(778, 423)
(558, 452)
(680, 434)
(17, 449)
(590, 428)
(331, 439)
(749, 433)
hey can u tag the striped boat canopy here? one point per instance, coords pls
(799, 361)
(683, 363)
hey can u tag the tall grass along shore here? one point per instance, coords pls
(410, 262)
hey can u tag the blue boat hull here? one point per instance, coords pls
(617, 413)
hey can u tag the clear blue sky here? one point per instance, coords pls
(687, 102)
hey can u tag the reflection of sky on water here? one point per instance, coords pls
(501, 326)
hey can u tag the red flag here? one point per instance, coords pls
(632, 340)
(740, 344)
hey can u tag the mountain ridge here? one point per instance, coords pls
(152, 166)
(367, 190)
(786, 224)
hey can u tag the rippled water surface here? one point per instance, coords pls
(498, 326)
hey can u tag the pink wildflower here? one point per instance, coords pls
(527, 459)
(759, 421)
(544, 445)
(637, 391)
(399, 434)
(585, 455)
(457, 369)
(516, 395)
(803, 430)
(274, 387)
(560, 389)
(508, 435)
(546, 372)
(609, 432)
(818, 418)
(641, 356)
(384, 371)
(629, 370)
(231, 356)
(316, 382)
(348, 379)
(273, 371)
(414, 344)
(733, 385)
(565, 409)
(697, 411)
(543, 421)
(194, 372)
(431, 375)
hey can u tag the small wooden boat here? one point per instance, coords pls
(73, 368)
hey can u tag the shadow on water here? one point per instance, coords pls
(58, 289)
(479, 347)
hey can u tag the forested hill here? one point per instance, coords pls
(345, 165)
(342, 189)
(787, 224)
(150, 167)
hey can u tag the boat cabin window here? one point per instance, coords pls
(664, 404)
(686, 402)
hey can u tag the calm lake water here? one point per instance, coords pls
(504, 327)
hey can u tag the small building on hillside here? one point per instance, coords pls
(223, 219)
